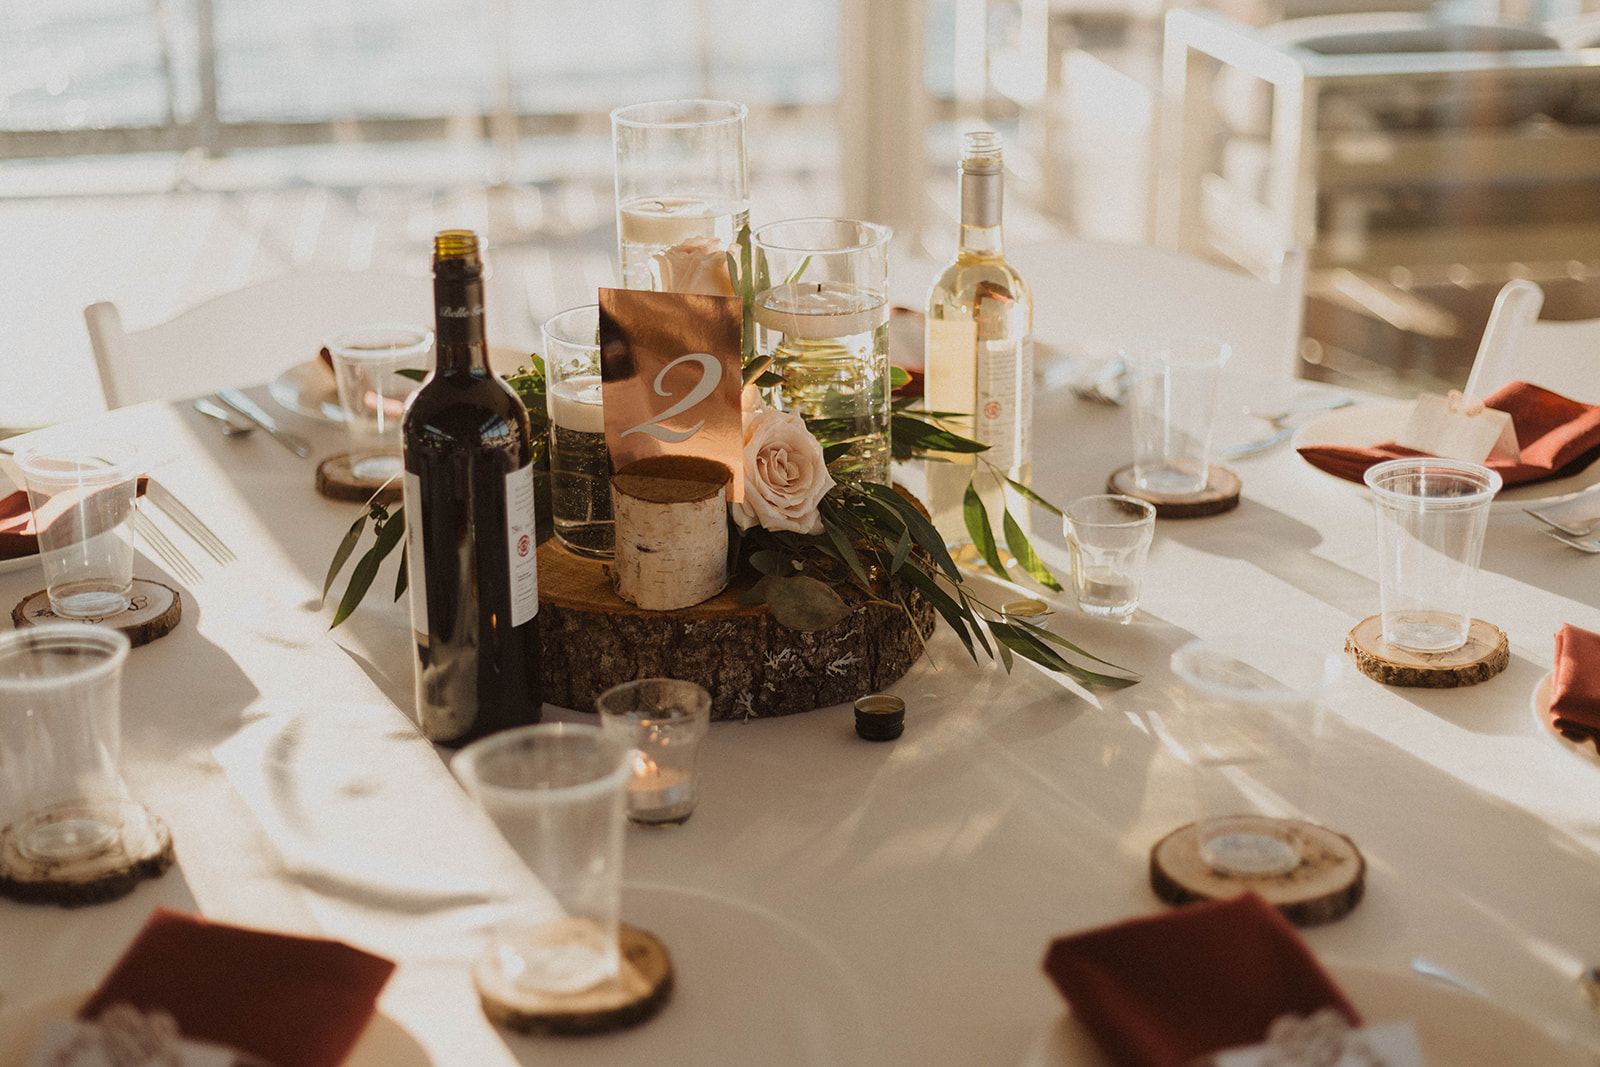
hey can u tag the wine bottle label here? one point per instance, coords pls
(949, 362)
(522, 545)
(416, 573)
(1005, 401)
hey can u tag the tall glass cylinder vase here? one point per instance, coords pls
(822, 316)
(683, 194)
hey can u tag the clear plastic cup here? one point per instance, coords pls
(1431, 518)
(372, 393)
(1173, 396)
(1249, 720)
(556, 793)
(61, 792)
(82, 495)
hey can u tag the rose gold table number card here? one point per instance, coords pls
(671, 365)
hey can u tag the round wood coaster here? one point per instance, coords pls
(153, 611)
(642, 987)
(1220, 494)
(1486, 654)
(337, 480)
(142, 850)
(1326, 885)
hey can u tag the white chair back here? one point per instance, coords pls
(1089, 297)
(245, 336)
(1563, 357)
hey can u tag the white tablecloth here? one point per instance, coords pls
(833, 900)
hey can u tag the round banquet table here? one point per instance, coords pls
(832, 900)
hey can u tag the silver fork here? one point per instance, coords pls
(188, 522)
(170, 554)
(1592, 547)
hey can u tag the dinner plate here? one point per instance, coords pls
(1540, 705)
(17, 563)
(384, 1043)
(309, 389)
(1361, 427)
(1456, 1029)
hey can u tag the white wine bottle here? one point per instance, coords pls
(471, 544)
(978, 351)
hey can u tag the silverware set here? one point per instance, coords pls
(1283, 428)
(239, 402)
(182, 568)
(1574, 527)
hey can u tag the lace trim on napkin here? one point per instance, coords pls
(1322, 1039)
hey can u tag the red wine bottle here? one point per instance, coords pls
(471, 548)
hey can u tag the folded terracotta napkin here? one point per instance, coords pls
(1161, 990)
(1556, 435)
(292, 1001)
(17, 530)
(1575, 685)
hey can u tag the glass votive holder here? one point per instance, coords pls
(1109, 536)
(663, 720)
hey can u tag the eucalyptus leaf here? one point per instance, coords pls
(402, 576)
(367, 569)
(1056, 639)
(1022, 639)
(976, 516)
(804, 603)
(1036, 498)
(902, 549)
(953, 613)
(352, 538)
(847, 552)
(1022, 551)
(898, 376)
(416, 374)
(921, 529)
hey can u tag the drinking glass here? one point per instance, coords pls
(1431, 516)
(1173, 391)
(822, 315)
(682, 186)
(663, 720)
(1250, 719)
(372, 394)
(580, 464)
(82, 496)
(556, 793)
(1109, 536)
(60, 740)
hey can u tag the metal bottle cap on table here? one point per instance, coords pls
(880, 717)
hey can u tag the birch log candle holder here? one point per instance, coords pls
(671, 531)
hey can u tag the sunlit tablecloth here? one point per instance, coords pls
(832, 900)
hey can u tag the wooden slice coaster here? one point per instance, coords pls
(1326, 885)
(153, 611)
(142, 850)
(640, 990)
(1220, 494)
(337, 480)
(1486, 654)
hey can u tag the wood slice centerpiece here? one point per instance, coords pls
(753, 666)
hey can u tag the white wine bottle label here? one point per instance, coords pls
(416, 576)
(950, 359)
(522, 545)
(1005, 401)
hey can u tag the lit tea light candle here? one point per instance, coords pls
(821, 310)
(657, 795)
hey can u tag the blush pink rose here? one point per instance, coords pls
(695, 265)
(784, 475)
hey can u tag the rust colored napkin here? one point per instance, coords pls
(1575, 685)
(1555, 434)
(17, 532)
(292, 1001)
(1161, 990)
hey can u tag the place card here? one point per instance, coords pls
(1451, 427)
(671, 368)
